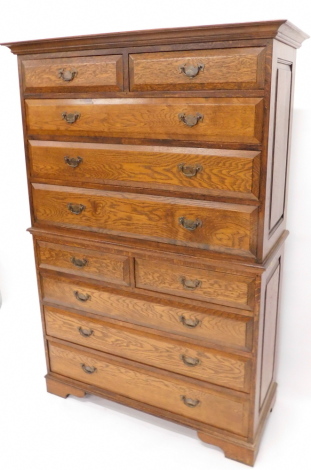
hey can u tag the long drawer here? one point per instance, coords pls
(208, 225)
(197, 119)
(204, 171)
(223, 288)
(193, 361)
(234, 68)
(93, 264)
(224, 411)
(73, 74)
(213, 326)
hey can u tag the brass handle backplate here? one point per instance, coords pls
(88, 369)
(190, 402)
(73, 162)
(190, 119)
(189, 322)
(189, 170)
(67, 75)
(190, 224)
(75, 208)
(85, 333)
(71, 118)
(81, 297)
(190, 361)
(191, 71)
(190, 284)
(80, 263)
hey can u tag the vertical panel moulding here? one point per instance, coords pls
(269, 332)
(280, 144)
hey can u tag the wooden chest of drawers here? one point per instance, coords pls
(157, 167)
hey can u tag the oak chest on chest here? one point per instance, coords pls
(157, 164)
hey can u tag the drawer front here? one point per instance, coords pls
(194, 119)
(204, 171)
(212, 286)
(97, 73)
(84, 262)
(212, 326)
(222, 369)
(236, 68)
(208, 406)
(208, 225)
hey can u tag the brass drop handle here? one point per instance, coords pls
(190, 224)
(189, 322)
(189, 170)
(88, 369)
(73, 162)
(85, 333)
(75, 208)
(191, 71)
(81, 297)
(67, 75)
(190, 284)
(80, 263)
(71, 118)
(190, 119)
(190, 361)
(192, 403)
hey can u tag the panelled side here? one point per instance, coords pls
(283, 67)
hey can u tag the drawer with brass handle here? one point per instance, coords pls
(206, 69)
(74, 74)
(199, 403)
(212, 286)
(198, 119)
(84, 262)
(229, 228)
(194, 324)
(214, 172)
(229, 371)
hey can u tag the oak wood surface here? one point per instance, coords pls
(84, 262)
(223, 227)
(103, 73)
(220, 69)
(217, 409)
(204, 364)
(216, 287)
(224, 119)
(221, 172)
(213, 326)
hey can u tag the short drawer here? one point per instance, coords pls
(212, 326)
(199, 403)
(214, 226)
(94, 73)
(201, 171)
(202, 284)
(194, 119)
(83, 262)
(193, 361)
(236, 68)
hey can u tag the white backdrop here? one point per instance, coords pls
(39, 430)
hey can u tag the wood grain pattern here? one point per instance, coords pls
(95, 265)
(236, 68)
(215, 367)
(217, 409)
(61, 390)
(99, 73)
(212, 326)
(225, 119)
(223, 172)
(225, 227)
(216, 287)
